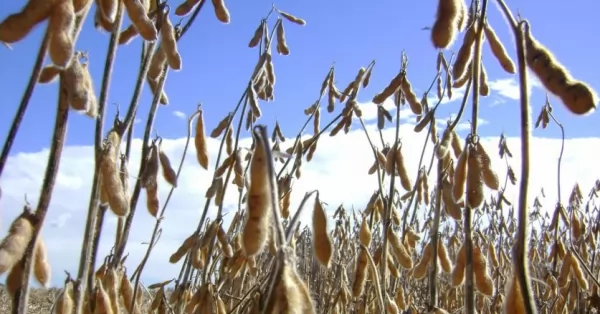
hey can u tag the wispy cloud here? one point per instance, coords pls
(509, 87)
(179, 114)
(338, 170)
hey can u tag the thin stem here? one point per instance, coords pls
(58, 142)
(87, 261)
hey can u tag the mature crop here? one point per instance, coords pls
(378, 259)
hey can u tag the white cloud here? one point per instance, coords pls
(338, 170)
(179, 114)
(509, 87)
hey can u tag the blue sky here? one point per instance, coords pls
(216, 67)
(217, 63)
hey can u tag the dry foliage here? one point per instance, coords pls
(379, 259)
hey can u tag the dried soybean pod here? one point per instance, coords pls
(323, 247)
(187, 244)
(420, 269)
(80, 90)
(415, 105)
(223, 241)
(159, 58)
(404, 178)
(111, 182)
(102, 299)
(200, 141)
(565, 270)
(258, 34)
(514, 303)
(169, 44)
(444, 146)
(13, 246)
(490, 178)
(475, 194)
(365, 235)
(41, 266)
(126, 293)
(578, 273)
(389, 90)
(108, 8)
(445, 27)
(17, 26)
(579, 98)
(465, 53)
(169, 173)
(458, 272)
(221, 11)
(49, 74)
(218, 130)
(256, 228)
(13, 279)
(282, 47)
(291, 18)
(60, 27)
(492, 254)
(445, 261)
(484, 88)
(164, 100)
(498, 49)
(101, 23)
(460, 176)
(64, 302)
(399, 250)
(139, 18)
(150, 175)
(360, 275)
(152, 201)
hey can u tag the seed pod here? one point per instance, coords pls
(404, 178)
(169, 173)
(483, 281)
(565, 270)
(200, 142)
(79, 87)
(420, 269)
(282, 47)
(360, 275)
(183, 249)
(578, 273)
(64, 302)
(49, 74)
(139, 18)
(256, 227)
(460, 176)
(445, 27)
(13, 246)
(458, 272)
(60, 28)
(221, 11)
(445, 261)
(365, 233)
(577, 96)
(13, 279)
(169, 44)
(465, 53)
(41, 266)
(498, 49)
(475, 194)
(323, 247)
(18, 25)
(514, 302)
(490, 178)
